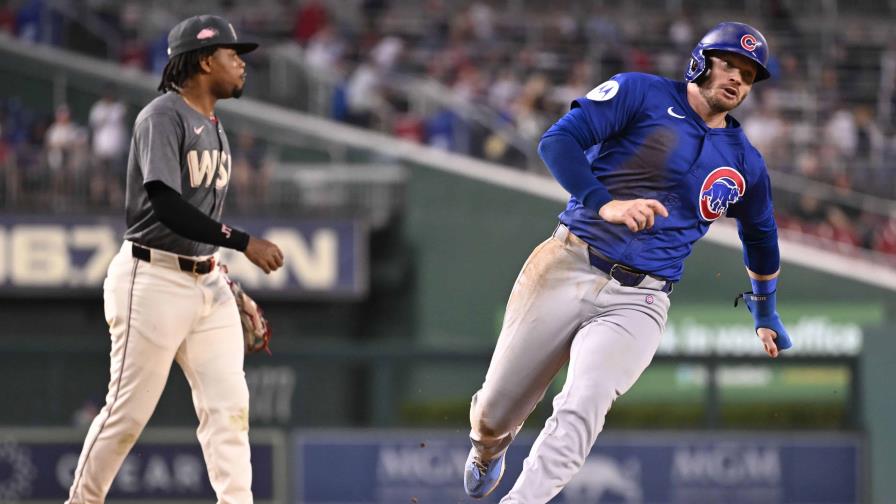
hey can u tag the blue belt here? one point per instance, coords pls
(623, 274)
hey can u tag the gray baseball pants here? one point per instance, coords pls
(563, 309)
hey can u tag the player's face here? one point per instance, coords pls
(730, 79)
(229, 71)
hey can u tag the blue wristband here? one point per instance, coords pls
(764, 286)
(764, 311)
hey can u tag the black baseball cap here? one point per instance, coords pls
(205, 31)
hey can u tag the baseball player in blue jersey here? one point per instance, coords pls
(650, 164)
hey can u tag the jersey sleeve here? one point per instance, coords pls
(756, 205)
(756, 224)
(157, 145)
(562, 148)
(611, 106)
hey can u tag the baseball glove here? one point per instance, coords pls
(256, 330)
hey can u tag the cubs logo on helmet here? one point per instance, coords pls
(722, 187)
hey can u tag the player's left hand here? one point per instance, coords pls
(767, 322)
(767, 337)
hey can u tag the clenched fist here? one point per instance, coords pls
(637, 214)
(264, 254)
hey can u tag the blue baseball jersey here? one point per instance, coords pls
(643, 140)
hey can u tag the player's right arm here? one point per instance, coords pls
(605, 111)
(188, 221)
(157, 139)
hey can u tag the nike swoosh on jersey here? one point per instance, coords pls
(673, 114)
(198, 129)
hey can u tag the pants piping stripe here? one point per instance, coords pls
(127, 335)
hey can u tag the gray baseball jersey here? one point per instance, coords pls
(188, 152)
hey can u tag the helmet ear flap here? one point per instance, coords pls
(704, 75)
(692, 66)
(696, 64)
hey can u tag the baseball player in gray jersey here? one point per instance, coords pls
(165, 298)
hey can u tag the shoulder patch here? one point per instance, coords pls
(604, 92)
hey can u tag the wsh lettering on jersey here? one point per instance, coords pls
(205, 166)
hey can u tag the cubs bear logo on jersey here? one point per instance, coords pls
(722, 187)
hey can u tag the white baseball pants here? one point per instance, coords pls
(563, 309)
(158, 314)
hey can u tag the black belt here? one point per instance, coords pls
(185, 264)
(623, 274)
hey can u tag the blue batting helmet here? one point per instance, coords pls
(733, 37)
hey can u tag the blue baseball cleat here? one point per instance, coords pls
(480, 479)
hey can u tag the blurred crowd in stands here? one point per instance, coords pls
(826, 116)
(53, 161)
